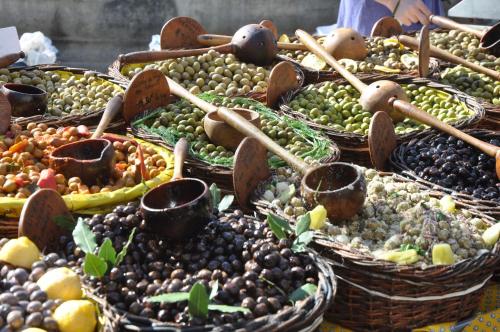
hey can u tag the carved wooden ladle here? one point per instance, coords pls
(388, 96)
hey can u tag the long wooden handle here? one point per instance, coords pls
(214, 40)
(317, 49)
(9, 59)
(446, 23)
(113, 107)
(248, 129)
(180, 154)
(150, 56)
(415, 113)
(179, 91)
(441, 54)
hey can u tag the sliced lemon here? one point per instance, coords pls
(409, 60)
(393, 42)
(387, 70)
(313, 62)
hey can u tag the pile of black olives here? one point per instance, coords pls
(253, 269)
(22, 303)
(452, 163)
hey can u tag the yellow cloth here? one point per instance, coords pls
(488, 320)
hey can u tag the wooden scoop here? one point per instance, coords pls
(9, 59)
(389, 97)
(252, 43)
(339, 187)
(490, 38)
(42, 217)
(5, 114)
(180, 208)
(93, 160)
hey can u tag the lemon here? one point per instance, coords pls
(34, 329)
(61, 283)
(447, 204)
(284, 39)
(491, 235)
(20, 252)
(384, 69)
(399, 257)
(318, 217)
(76, 316)
(442, 254)
(313, 62)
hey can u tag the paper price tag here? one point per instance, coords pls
(9, 41)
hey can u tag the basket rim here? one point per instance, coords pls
(398, 163)
(356, 141)
(67, 119)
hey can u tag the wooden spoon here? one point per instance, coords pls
(9, 59)
(5, 114)
(386, 96)
(40, 219)
(340, 187)
(252, 43)
(283, 78)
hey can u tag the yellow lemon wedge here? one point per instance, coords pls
(20, 252)
(61, 283)
(76, 316)
(392, 42)
(384, 69)
(447, 204)
(399, 257)
(491, 235)
(442, 254)
(284, 39)
(318, 217)
(34, 329)
(313, 62)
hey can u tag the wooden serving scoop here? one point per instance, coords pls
(282, 79)
(424, 56)
(252, 43)
(340, 187)
(382, 140)
(388, 96)
(9, 59)
(41, 218)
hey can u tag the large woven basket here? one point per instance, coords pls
(354, 147)
(221, 175)
(91, 119)
(382, 296)
(398, 163)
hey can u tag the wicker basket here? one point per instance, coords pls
(354, 147)
(90, 119)
(382, 296)
(306, 315)
(397, 161)
(221, 175)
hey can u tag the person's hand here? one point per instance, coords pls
(408, 11)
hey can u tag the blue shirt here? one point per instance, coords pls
(360, 15)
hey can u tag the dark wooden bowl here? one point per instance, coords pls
(339, 187)
(92, 160)
(220, 133)
(25, 100)
(177, 210)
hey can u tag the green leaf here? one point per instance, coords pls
(227, 308)
(65, 222)
(303, 224)
(287, 195)
(303, 292)
(198, 301)
(214, 290)
(83, 237)
(121, 255)
(215, 193)
(169, 298)
(278, 225)
(301, 242)
(225, 203)
(107, 252)
(408, 246)
(94, 266)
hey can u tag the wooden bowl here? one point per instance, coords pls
(339, 187)
(177, 210)
(91, 160)
(220, 133)
(25, 100)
